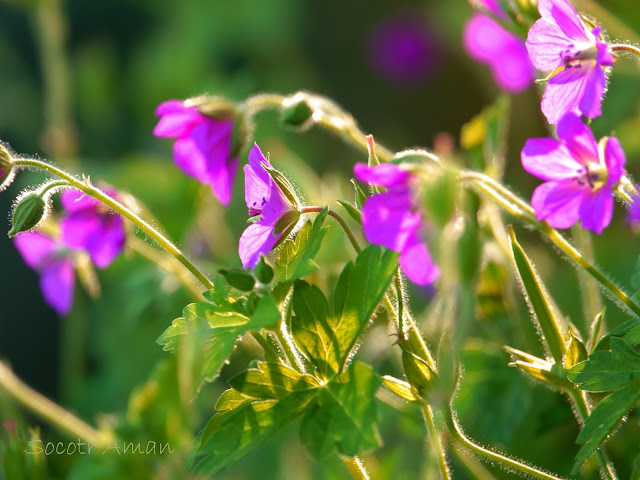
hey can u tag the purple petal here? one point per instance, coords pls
(614, 159)
(564, 93)
(57, 282)
(492, 6)
(256, 191)
(188, 158)
(417, 264)
(35, 248)
(545, 43)
(256, 159)
(591, 101)
(212, 138)
(604, 56)
(387, 219)
(596, 210)
(548, 159)
(633, 217)
(578, 138)
(562, 13)
(559, 202)
(483, 38)
(256, 239)
(77, 229)
(106, 243)
(513, 71)
(176, 120)
(74, 200)
(385, 175)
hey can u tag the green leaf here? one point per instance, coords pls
(360, 195)
(352, 211)
(344, 416)
(238, 278)
(232, 434)
(296, 257)
(263, 271)
(327, 338)
(549, 321)
(401, 388)
(272, 381)
(603, 420)
(206, 334)
(607, 370)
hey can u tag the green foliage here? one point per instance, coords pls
(345, 415)
(549, 322)
(608, 370)
(205, 335)
(604, 419)
(327, 336)
(296, 258)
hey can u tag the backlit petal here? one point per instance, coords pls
(548, 159)
(596, 210)
(558, 202)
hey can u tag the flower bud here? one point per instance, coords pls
(213, 107)
(296, 114)
(6, 170)
(29, 210)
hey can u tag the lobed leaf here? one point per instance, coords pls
(608, 370)
(295, 259)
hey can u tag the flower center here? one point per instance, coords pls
(575, 58)
(594, 174)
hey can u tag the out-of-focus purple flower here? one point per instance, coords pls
(89, 225)
(264, 198)
(392, 219)
(486, 41)
(203, 145)
(55, 265)
(490, 6)
(580, 175)
(633, 215)
(559, 40)
(402, 50)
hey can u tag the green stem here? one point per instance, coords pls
(436, 441)
(511, 463)
(580, 402)
(268, 348)
(591, 301)
(86, 187)
(325, 113)
(52, 185)
(51, 412)
(519, 208)
(356, 467)
(340, 220)
(618, 47)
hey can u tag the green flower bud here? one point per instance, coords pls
(296, 114)
(29, 210)
(6, 168)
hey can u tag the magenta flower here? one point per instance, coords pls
(403, 50)
(580, 175)
(560, 41)
(633, 215)
(203, 145)
(89, 225)
(55, 265)
(486, 41)
(392, 219)
(264, 198)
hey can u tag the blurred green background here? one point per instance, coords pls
(79, 83)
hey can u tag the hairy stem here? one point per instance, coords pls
(460, 437)
(356, 467)
(51, 412)
(622, 47)
(86, 187)
(340, 220)
(436, 441)
(591, 301)
(325, 113)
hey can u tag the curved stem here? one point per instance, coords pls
(86, 187)
(518, 207)
(579, 400)
(622, 47)
(436, 441)
(52, 185)
(325, 113)
(511, 463)
(340, 220)
(51, 412)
